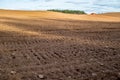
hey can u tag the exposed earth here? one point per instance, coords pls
(43, 45)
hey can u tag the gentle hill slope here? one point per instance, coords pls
(55, 15)
(114, 14)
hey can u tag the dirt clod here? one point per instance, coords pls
(13, 72)
(94, 74)
(41, 76)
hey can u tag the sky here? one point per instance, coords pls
(89, 6)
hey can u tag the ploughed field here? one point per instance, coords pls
(42, 45)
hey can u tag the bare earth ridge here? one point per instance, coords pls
(43, 45)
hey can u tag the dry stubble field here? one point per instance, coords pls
(41, 45)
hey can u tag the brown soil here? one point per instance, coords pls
(56, 46)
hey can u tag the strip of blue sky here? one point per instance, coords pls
(89, 6)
